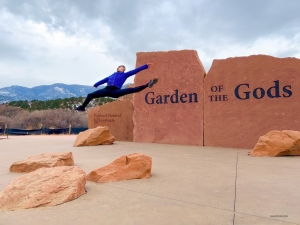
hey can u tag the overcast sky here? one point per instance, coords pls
(80, 42)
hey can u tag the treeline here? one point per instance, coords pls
(57, 113)
(66, 103)
(16, 117)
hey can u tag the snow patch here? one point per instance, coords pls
(61, 90)
(4, 92)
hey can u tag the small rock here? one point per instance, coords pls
(128, 167)
(97, 136)
(43, 160)
(44, 187)
(278, 143)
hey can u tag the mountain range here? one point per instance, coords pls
(45, 92)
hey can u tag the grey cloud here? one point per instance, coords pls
(8, 49)
(34, 10)
(144, 25)
(159, 25)
(231, 17)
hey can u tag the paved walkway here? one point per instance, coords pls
(189, 185)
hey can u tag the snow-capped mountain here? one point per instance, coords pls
(45, 92)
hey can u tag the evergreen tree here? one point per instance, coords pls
(67, 103)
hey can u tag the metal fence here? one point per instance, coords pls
(14, 131)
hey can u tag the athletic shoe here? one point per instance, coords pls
(80, 108)
(152, 82)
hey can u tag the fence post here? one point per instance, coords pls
(5, 127)
(70, 127)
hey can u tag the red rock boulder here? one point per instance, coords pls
(97, 136)
(128, 167)
(43, 160)
(278, 143)
(44, 187)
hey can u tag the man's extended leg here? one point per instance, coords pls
(114, 93)
(91, 96)
(122, 92)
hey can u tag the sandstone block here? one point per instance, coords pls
(172, 111)
(43, 160)
(278, 143)
(246, 97)
(133, 166)
(44, 187)
(96, 136)
(115, 115)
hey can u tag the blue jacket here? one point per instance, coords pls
(117, 79)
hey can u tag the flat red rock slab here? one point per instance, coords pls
(246, 97)
(172, 111)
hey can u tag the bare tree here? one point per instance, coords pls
(52, 118)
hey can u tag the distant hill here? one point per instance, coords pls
(45, 92)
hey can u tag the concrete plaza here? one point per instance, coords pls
(189, 185)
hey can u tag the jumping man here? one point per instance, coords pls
(114, 84)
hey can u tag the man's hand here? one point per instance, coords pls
(149, 64)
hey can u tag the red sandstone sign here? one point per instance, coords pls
(172, 111)
(246, 97)
(243, 98)
(117, 116)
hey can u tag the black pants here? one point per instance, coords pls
(111, 91)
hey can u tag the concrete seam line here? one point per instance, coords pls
(236, 165)
(157, 196)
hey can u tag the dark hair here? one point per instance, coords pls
(121, 66)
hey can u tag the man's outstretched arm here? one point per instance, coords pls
(105, 80)
(132, 72)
